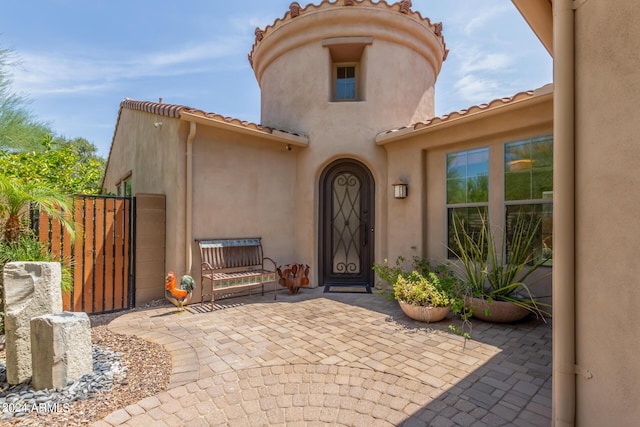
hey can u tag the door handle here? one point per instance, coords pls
(364, 234)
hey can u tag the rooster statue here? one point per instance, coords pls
(178, 296)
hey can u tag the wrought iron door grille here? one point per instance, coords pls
(346, 224)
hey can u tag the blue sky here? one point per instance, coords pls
(81, 58)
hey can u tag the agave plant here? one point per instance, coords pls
(492, 274)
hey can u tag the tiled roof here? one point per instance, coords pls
(471, 111)
(230, 120)
(176, 111)
(167, 110)
(296, 10)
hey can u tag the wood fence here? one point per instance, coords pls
(100, 257)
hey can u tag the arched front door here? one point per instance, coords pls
(346, 225)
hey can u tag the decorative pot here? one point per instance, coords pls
(500, 311)
(423, 313)
(294, 276)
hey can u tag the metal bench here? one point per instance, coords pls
(233, 264)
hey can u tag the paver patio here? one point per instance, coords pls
(338, 359)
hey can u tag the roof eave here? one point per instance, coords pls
(266, 133)
(540, 95)
(539, 16)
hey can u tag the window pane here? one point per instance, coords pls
(517, 156)
(478, 189)
(542, 152)
(346, 89)
(468, 176)
(346, 83)
(456, 191)
(350, 72)
(467, 219)
(517, 185)
(478, 162)
(541, 182)
(456, 165)
(127, 188)
(540, 216)
(528, 169)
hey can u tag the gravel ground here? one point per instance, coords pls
(148, 374)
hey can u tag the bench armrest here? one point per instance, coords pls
(206, 266)
(275, 266)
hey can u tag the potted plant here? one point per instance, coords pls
(421, 297)
(496, 286)
(424, 293)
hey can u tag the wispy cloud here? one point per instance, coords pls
(46, 73)
(247, 23)
(485, 16)
(482, 75)
(478, 89)
(485, 62)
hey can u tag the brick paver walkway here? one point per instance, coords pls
(338, 359)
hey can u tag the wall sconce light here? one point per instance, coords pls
(400, 190)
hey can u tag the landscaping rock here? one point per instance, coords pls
(31, 289)
(60, 349)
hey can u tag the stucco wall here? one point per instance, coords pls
(150, 247)
(398, 68)
(398, 90)
(398, 83)
(244, 186)
(155, 156)
(420, 220)
(607, 206)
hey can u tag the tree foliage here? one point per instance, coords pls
(28, 150)
(16, 196)
(19, 129)
(70, 167)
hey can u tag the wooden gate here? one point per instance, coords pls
(100, 257)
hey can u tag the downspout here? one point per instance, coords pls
(189, 199)
(564, 309)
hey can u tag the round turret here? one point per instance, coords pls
(347, 64)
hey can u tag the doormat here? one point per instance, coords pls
(347, 288)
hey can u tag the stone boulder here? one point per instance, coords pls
(60, 349)
(30, 289)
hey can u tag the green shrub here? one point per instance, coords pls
(416, 289)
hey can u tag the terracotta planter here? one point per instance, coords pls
(501, 311)
(424, 314)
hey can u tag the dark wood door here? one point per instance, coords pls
(346, 224)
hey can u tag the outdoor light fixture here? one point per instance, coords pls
(400, 190)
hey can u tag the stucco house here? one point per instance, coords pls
(337, 132)
(315, 178)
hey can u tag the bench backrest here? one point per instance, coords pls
(231, 253)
